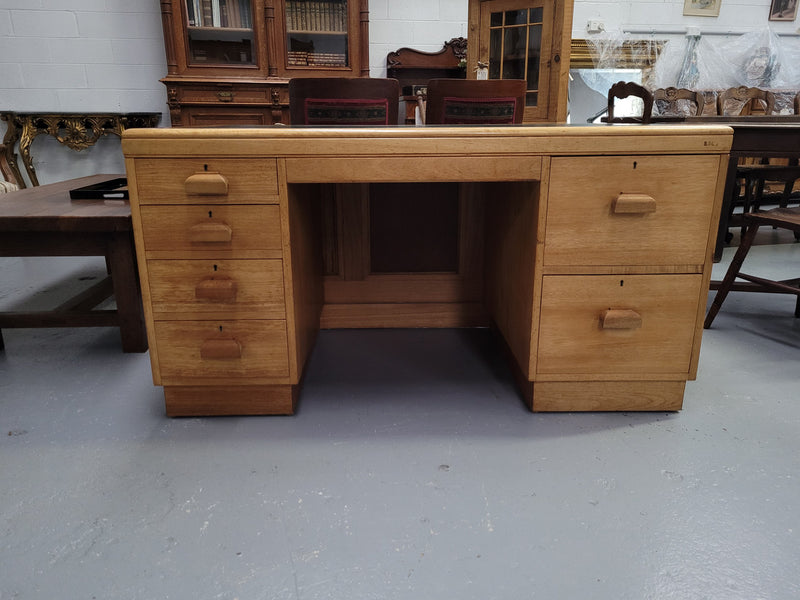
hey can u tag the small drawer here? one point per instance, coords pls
(185, 289)
(212, 180)
(192, 350)
(211, 227)
(635, 325)
(630, 210)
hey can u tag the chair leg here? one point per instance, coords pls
(730, 276)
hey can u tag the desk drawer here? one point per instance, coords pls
(193, 350)
(649, 331)
(185, 289)
(211, 227)
(212, 180)
(630, 210)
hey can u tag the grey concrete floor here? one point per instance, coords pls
(412, 470)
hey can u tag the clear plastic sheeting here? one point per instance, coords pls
(707, 63)
(756, 59)
(614, 53)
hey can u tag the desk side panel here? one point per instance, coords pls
(144, 279)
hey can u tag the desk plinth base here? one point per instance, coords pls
(207, 401)
(580, 396)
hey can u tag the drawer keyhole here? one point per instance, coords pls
(621, 282)
(634, 164)
(210, 215)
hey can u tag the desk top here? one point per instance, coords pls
(49, 208)
(429, 140)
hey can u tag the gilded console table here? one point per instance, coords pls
(75, 130)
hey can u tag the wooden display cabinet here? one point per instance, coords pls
(230, 61)
(524, 39)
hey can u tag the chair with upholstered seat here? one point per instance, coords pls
(343, 101)
(742, 100)
(781, 218)
(475, 102)
(681, 102)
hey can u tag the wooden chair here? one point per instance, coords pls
(781, 218)
(625, 89)
(475, 102)
(797, 104)
(343, 101)
(674, 101)
(741, 101)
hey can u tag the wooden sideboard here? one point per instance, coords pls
(594, 252)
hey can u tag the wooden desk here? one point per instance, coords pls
(43, 221)
(592, 255)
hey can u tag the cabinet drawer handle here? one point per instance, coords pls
(206, 184)
(221, 349)
(216, 290)
(225, 96)
(620, 318)
(626, 204)
(210, 232)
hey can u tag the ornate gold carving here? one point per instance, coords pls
(76, 131)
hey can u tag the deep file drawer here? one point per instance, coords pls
(614, 325)
(630, 210)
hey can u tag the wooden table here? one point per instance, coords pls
(43, 221)
(773, 137)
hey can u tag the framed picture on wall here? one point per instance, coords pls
(704, 8)
(783, 10)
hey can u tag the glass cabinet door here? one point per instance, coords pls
(317, 34)
(220, 32)
(519, 44)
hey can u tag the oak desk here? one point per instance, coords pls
(589, 250)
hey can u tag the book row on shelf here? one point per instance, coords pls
(316, 59)
(316, 16)
(235, 14)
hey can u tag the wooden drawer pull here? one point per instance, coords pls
(620, 318)
(206, 184)
(211, 232)
(221, 349)
(626, 204)
(216, 290)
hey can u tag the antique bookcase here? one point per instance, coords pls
(524, 39)
(230, 61)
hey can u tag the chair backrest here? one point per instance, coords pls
(739, 100)
(343, 101)
(624, 89)
(475, 101)
(678, 101)
(797, 104)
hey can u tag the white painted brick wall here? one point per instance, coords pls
(108, 55)
(81, 56)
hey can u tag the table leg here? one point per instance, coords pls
(121, 259)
